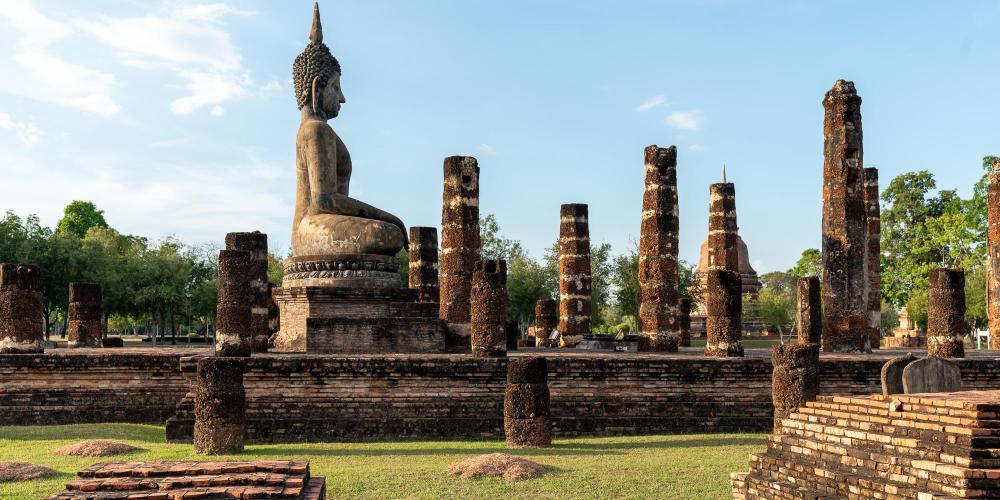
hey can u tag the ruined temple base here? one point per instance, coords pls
(894, 447)
(341, 320)
(277, 479)
(895, 342)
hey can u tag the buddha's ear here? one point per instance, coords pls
(315, 95)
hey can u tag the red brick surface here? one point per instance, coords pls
(275, 479)
(891, 447)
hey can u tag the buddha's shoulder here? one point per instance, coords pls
(316, 129)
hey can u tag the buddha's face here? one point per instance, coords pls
(333, 97)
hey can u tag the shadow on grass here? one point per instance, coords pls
(669, 443)
(319, 451)
(144, 433)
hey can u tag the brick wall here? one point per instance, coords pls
(90, 385)
(316, 398)
(328, 397)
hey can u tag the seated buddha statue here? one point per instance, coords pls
(327, 220)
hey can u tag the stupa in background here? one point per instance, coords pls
(751, 286)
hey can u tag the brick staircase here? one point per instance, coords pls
(918, 446)
(275, 479)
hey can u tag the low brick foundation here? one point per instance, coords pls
(71, 386)
(295, 397)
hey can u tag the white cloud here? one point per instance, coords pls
(48, 78)
(188, 41)
(697, 148)
(650, 103)
(156, 204)
(33, 72)
(27, 133)
(486, 149)
(685, 120)
(37, 30)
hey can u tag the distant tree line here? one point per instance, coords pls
(157, 288)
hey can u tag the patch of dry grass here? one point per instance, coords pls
(512, 468)
(96, 448)
(22, 471)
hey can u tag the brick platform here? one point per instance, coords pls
(296, 397)
(276, 479)
(924, 446)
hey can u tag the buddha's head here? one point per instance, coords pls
(316, 74)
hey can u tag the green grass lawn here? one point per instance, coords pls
(675, 466)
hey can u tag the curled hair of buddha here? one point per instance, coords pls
(315, 61)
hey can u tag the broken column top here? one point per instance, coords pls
(574, 210)
(843, 90)
(21, 276)
(464, 169)
(490, 266)
(254, 242)
(420, 235)
(658, 156)
(84, 292)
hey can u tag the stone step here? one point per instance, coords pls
(959, 450)
(884, 467)
(757, 487)
(842, 482)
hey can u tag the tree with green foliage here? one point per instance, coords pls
(78, 217)
(775, 308)
(809, 264)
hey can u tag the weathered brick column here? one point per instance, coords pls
(489, 309)
(723, 284)
(460, 245)
(546, 320)
(993, 253)
(794, 378)
(684, 315)
(526, 419)
(723, 233)
(21, 321)
(845, 302)
(255, 243)
(423, 265)
(946, 313)
(233, 317)
(574, 274)
(219, 406)
(84, 315)
(809, 319)
(659, 329)
(873, 252)
(723, 324)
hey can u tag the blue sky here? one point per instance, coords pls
(178, 118)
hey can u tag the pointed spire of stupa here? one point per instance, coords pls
(723, 172)
(316, 33)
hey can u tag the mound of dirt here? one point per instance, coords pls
(96, 448)
(22, 471)
(498, 464)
